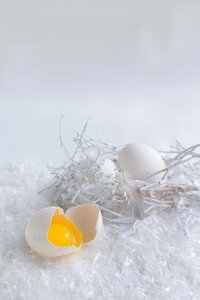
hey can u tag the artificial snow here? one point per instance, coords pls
(159, 260)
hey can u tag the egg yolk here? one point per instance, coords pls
(62, 232)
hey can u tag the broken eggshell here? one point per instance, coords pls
(51, 234)
(88, 218)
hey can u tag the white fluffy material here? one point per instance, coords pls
(160, 260)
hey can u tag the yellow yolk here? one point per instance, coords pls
(62, 232)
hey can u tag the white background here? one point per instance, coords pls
(133, 66)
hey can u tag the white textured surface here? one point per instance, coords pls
(160, 260)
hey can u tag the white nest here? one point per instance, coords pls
(81, 179)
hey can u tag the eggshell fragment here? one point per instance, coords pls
(87, 217)
(139, 161)
(40, 237)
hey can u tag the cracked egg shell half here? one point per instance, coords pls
(50, 233)
(88, 218)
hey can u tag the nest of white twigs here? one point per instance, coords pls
(123, 201)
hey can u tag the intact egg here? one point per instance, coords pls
(51, 234)
(109, 168)
(139, 161)
(87, 217)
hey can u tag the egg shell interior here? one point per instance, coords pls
(87, 217)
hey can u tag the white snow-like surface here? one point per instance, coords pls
(161, 260)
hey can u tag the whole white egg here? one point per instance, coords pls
(109, 168)
(139, 161)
